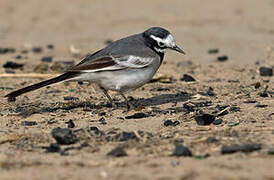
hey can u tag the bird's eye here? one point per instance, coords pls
(161, 44)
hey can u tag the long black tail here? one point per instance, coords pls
(68, 75)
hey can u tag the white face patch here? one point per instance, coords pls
(168, 41)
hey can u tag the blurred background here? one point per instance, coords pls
(241, 29)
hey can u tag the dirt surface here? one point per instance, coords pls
(230, 91)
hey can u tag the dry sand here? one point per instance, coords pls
(242, 30)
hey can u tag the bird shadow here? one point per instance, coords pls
(26, 111)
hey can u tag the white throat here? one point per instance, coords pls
(160, 50)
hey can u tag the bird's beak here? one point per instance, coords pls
(176, 48)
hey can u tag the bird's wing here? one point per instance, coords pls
(109, 63)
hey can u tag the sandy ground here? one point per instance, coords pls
(232, 91)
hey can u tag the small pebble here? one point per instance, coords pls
(46, 59)
(18, 57)
(250, 101)
(102, 120)
(211, 140)
(37, 49)
(240, 148)
(217, 121)
(222, 58)
(266, 71)
(50, 46)
(257, 85)
(181, 150)
(171, 123)
(261, 105)
(136, 116)
(28, 123)
(204, 119)
(117, 152)
(108, 41)
(7, 50)
(13, 65)
(96, 130)
(64, 136)
(270, 151)
(70, 98)
(231, 124)
(187, 78)
(213, 51)
(70, 124)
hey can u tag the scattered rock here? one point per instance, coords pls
(217, 121)
(108, 41)
(70, 124)
(64, 136)
(37, 49)
(96, 131)
(211, 140)
(181, 150)
(261, 105)
(13, 65)
(137, 116)
(270, 151)
(204, 119)
(53, 147)
(50, 46)
(117, 152)
(266, 71)
(70, 98)
(257, 85)
(222, 58)
(213, 51)
(187, 78)
(47, 59)
(231, 124)
(102, 120)
(250, 101)
(171, 123)
(7, 50)
(28, 123)
(240, 148)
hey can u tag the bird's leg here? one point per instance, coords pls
(129, 105)
(108, 96)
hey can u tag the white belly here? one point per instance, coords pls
(122, 80)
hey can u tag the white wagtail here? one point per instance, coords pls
(123, 65)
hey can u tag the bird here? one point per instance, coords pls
(124, 65)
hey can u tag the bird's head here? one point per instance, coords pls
(160, 40)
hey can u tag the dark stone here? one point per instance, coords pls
(50, 46)
(13, 65)
(125, 136)
(102, 113)
(7, 50)
(233, 81)
(266, 71)
(263, 94)
(136, 116)
(270, 151)
(222, 58)
(204, 119)
(240, 148)
(108, 41)
(96, 130)
(250, 101)
(64, 136)
(210, 92)
(117, 152)
(102, 120)
(261, 105)
(47, 59)
(181, 150)
(28, 123)
(187, 78)
(234, 109)
(171, 123)
(53, 147)
(70, 124)
(213, 51)
(18, 57)
(37, 49)
(211, 140)
(257, 85)
(217, 121)
(70, 98)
